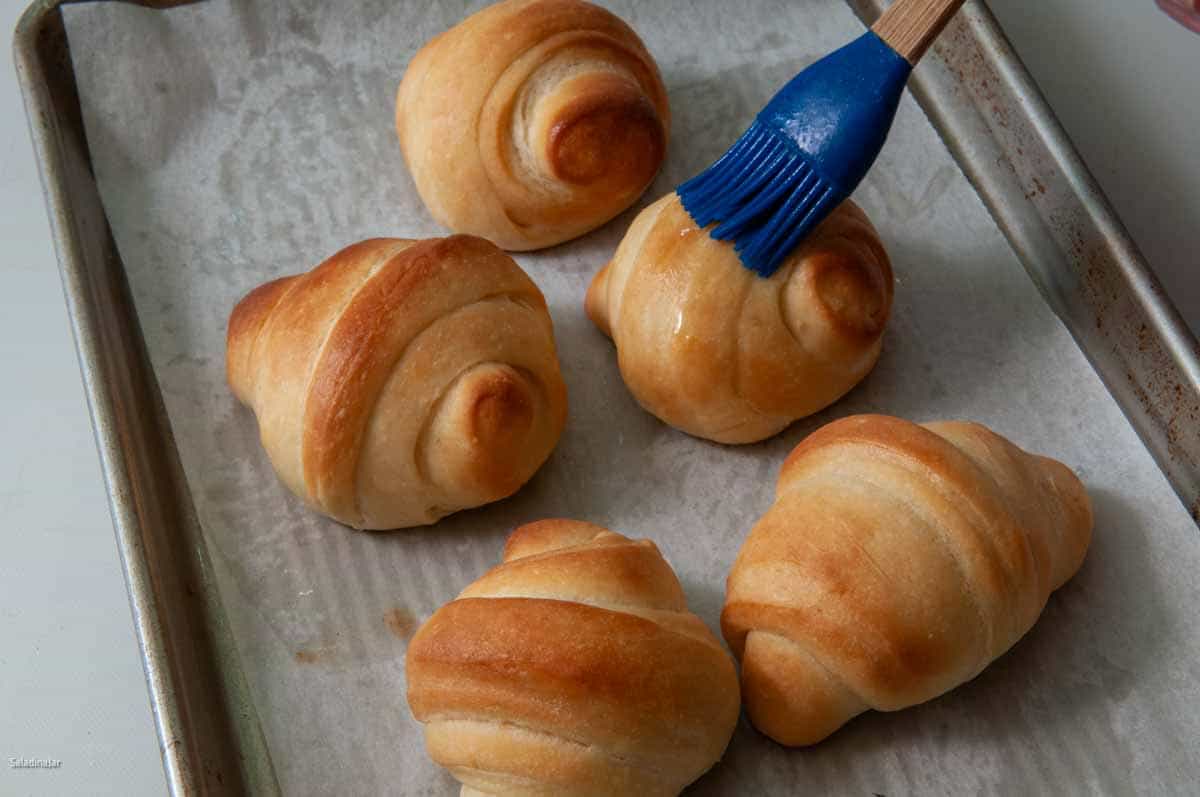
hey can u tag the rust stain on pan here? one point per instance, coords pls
(1124, 332)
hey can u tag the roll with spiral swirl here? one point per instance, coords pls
(721, 353)
(897, 562)
(532, 121)
(572, 669)
(400, 381)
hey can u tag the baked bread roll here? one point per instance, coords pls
(532, 121)
(721, 353)
(574, 668)
(897, 562)
(400, 381)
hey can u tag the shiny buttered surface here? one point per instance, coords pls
(896, 563)
(400, 381)
(532, 121)
(716, 351)
(573, 668)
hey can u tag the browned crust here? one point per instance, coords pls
(1009, 540)
(884, 431)
(1008, 513)
(744, 356)
(851, 272)
(855, 236)
(354, 364)
(538, 20)
(895, 653)
(855, 296)
(511, 209)
(551, 534)
(899, 654)
(610, 569)
(503, 411)
(512, 655)
(537, 654)
(319, 349)
(595, 302)
(246, 321)
(610, 134)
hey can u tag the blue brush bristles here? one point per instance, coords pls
(765, 196)
(805, 153)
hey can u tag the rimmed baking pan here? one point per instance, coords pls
(191, 151)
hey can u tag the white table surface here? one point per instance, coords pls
(1120, 75)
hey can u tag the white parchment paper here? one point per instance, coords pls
(236, 141)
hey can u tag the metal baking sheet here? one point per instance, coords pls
(190, 154)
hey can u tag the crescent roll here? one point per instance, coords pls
(713, 349)
(896, 563)
(532, 122)
(400, 381)
(572, 669)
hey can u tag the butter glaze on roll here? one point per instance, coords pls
(532, 122)
(572, 669)
(716, 351)
(400, 381)
(896, 563)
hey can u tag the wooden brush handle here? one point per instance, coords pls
(910, 26)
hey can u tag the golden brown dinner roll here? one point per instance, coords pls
(532, 121)
(721, 353)
(400, 381)
(574, 668)
(897, 562)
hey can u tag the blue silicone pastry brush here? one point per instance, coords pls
(816, 139)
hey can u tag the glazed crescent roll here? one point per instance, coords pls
(713, 349)
(572, 669)
(896, 563)
(532, 122)
(400, 381)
